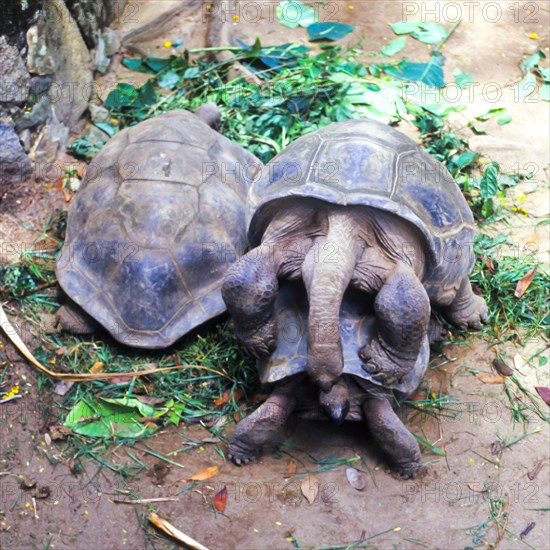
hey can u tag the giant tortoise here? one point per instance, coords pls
(293, 392)
(159, 217)
(356, 203)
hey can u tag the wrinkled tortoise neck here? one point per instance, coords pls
(327, 271)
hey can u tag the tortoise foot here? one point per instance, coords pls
(241, 453)
(471, 314)
(263, 427)
(407, 471)
(383, 364)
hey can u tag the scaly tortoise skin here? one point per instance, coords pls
(294, 393)
(355, 204)
(153, 228)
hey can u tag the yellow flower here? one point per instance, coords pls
(520, 210)
(519, 196)
(534, 36)
(167, 44)
(350, 7)
(236, 18)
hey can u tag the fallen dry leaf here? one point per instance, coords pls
(544, 394)
(61, 388)
(490, 378)
(59, 433)
(220, 500)
(524, 283)
(240, 413)
(310, 488)
(98, 366)
(502, 368)
(536, 470)
(168, 528)
(489, 265)
(207, 473)
(476, 488)
(238, 394)
(290, 469)
(66, 195)
(355, 479)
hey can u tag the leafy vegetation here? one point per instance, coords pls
(498, 268)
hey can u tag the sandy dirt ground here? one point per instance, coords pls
(448, 506)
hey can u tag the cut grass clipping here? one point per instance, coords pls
(299, 93)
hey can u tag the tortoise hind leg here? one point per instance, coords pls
(72, 318)
(403, 310)
(467, 310)
(251, 284)
(265, 424)
(393, 437)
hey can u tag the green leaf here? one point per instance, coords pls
(328, 31)
(487, 208)
(529, 62)
(432, 448)
(107, 127)
(463, 80)
(147, 95)
(107, 419)
(478, 129)
(544, 73)
(136, 65)
(168, 80)
(526, 86)
(419, 93)
(405, 27)
(494, 111)
(489, 181)
(192, 72)
(430, 73)
(122, 95)
(157, 64)
(429, 33)
(544, 92)
(393, 47)
(504, 120)
(464, 159)
(131, 402)
(292, 13)
(256, 48)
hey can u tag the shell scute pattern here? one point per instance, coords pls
(139, 229)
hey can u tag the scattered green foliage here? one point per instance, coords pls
(498, 268)
(429, 33)
(329, 31)
(531, 69)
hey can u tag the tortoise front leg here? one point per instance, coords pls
(392, 436)
(249, 291)
(265, 424)
(467, 310)
(403, 309)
